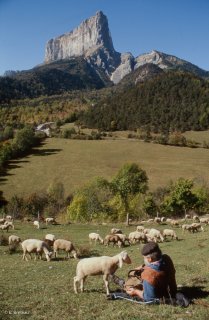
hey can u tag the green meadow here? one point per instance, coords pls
(75, 162)
(44, 290)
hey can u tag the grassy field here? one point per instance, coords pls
(75, 162)
(44, 290)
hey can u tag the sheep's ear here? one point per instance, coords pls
(120, 261)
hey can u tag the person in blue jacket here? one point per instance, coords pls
(157, 275)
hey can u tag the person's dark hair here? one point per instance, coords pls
(152, 250)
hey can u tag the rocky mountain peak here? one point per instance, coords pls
(91, 35)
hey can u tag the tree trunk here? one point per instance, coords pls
(127, 218)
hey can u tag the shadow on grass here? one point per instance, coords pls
(195, 292)
(45, 152)
(16, 163)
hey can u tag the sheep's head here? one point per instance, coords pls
(124, 258)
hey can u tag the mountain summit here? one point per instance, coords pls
(91, 39)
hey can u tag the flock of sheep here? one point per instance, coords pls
(104, 265)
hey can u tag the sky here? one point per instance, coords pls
(177, 27)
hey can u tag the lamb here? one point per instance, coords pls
(36, 224)
(155, 235)
(99, 265)
(137, 237)
(36, 246)
(49, 239)
(114, 239)
(14, 240)
(50, 220)
(61, 244)
(169, 233)
(115, 230)
(95, 237)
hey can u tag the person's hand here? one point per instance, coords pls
(131, 291)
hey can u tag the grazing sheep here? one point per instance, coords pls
(36, 224)
(115, 230)
(95, 237)
(169, 233)
(123, 238)
(50, 220)
(187, 216)
(187, 227)
(197, 227)
(9, 218)
(5, 227)
(146, 231)
(14, 240)
(61, 244)
(49, 239)
(114, 239)
(99, 265)
(9, 223)
(158, 220)
(204, 220)
(140, 228)
(35, 246)
(174, 222)
(137, 236)
(196, 218)
(155, 235)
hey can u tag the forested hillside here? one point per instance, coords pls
(171, 101)
(54, 78)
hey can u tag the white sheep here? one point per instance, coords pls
(146, 231)
(197, 226)
(196, 218)
(95, 237)
(140, 228)
(9, 218)
(157, 219)
(61, 244)
(123, 238)
(137, 236)
(99, 265)
(169, 233)
(114, 238)
(2, 221)
(50, 220)
(9, 223)
(49, 239)
(155, 235)
(36, 224)
(4, 227)
(115, 230)
(35, 246)
(204, 220)
(14, 240)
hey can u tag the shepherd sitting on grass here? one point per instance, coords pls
(157, 276)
